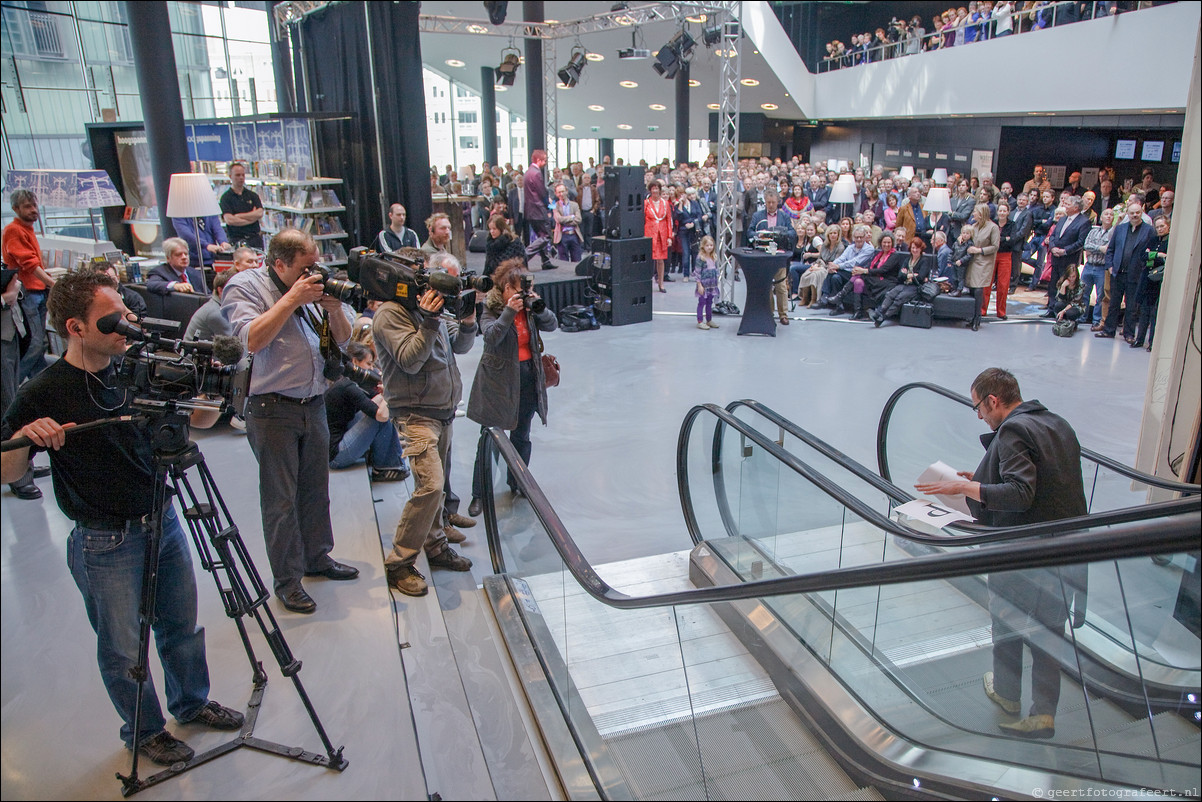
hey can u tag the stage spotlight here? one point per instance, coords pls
(507, 71)
(675, 53)
(496, 10)
(711, 36)
(569, 76)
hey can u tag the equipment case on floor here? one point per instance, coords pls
(917, 314)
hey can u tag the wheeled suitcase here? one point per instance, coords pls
(917, 314)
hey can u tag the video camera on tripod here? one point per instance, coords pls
(162, 371)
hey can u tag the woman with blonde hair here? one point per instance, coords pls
(983, 249)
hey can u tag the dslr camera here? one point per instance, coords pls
(393, 277)
(533, 303)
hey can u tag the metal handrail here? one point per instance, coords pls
(1138, 538)
(1151, 480)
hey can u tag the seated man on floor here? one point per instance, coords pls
(360, 426)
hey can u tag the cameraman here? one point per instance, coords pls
(277, 311)
(104, 480)
(422, 387)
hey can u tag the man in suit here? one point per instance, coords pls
(1023, 221)
(911, 218)
(1065, 242)
(1125, 262)
(537, 209)
(175, 275)
(1107, 197)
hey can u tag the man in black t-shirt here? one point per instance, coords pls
(104, 481)
(241, 210)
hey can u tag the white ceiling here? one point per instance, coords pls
(599, 81)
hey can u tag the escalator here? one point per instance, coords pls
(805, 642)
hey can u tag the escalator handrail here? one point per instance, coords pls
(1151, 480)
(968, 534)
(1132, 539)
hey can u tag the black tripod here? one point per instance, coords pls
(223, 554)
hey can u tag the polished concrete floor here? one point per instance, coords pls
(410, 685)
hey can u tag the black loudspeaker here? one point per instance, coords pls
(585, 266)
(622, 197)
(478, 242)
(623, 261)
(623, 304)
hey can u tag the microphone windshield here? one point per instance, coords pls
(227, 350)
(115, 323)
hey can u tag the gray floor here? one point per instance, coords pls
(606, 461)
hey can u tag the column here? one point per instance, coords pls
(536, 117)
(488, 114)
(158, 89)
(682, 113)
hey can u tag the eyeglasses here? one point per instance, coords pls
(977, 405)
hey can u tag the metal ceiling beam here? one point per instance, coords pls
(609, 21)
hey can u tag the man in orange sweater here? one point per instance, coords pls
(21, 252)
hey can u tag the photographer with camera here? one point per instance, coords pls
(104, 480)
(416, 350)
(509, 386)
(272, 310)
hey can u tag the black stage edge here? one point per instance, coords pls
(561, 287)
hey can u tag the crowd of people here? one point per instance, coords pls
(1102, 253)
(976, 22)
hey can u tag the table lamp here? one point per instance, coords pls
(191, 195)
(939, 176)
(938, 200)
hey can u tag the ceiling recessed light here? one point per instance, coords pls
(698, 19)
(551, 21)
(595, 107)
(756, 52)
(694, 82)
(568, 127)
(627, 84)
(594, 57)
(477, 29)
(749, 82)
(454, 62)
(713, 106)
(562, 85)
(624, 126)
(786, 94)
(657, 107)
(501, 88)
(769, 106)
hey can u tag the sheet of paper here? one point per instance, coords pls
(930, 512)
(940, 471)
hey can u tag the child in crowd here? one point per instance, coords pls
(707, 283)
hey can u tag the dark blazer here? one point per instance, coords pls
(162, 276)
(885, 276)
(759, 220)
(1128, 257)
(1024, 221)
(1071, 238)
(537, 210)
(821, 198)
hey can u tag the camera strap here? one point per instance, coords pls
(319, 324)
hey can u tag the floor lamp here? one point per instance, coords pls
(191, 195)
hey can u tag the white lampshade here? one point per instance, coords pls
(906, 172)
(843, 191)
(938, 200)
(847, 178)
(939, 175)
(191, 195)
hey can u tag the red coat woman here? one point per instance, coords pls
(657, 224)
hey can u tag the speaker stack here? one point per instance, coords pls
(622, 266)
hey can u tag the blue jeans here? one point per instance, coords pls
(368, 434)
(107, 567)
(33, 306)
(1093, 277)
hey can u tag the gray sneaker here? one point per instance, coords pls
(407, 580)
(165, 749)
(449, 558)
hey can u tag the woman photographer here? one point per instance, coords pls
(360, 426)
(509, 386)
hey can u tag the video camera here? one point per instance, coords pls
(776, 239)
(393, 277)
(162, 371)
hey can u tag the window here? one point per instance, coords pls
(467, 117)
(469, 142)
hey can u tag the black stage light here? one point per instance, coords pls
(507, 71)
(496, 10)
(569, 76)
(711, 36)
(675, 53)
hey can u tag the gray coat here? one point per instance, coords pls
(496, 390)
(416, 354)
